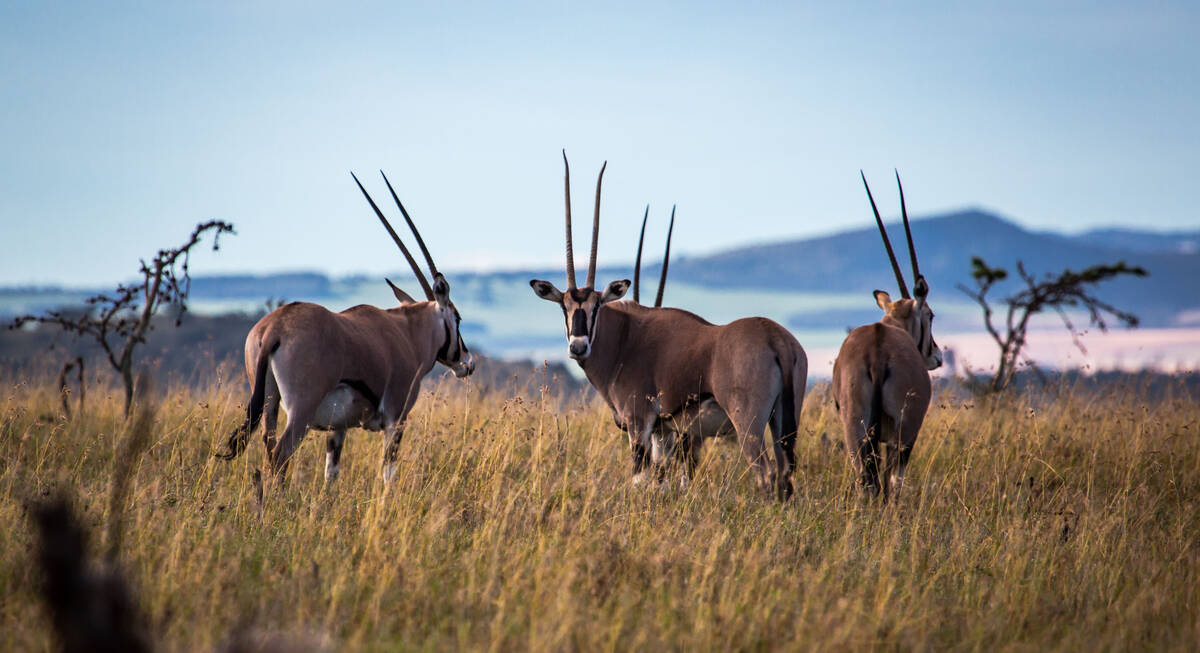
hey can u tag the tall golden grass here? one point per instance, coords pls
(1032, 523)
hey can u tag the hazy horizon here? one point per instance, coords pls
(124, 128)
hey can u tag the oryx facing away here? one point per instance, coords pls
(358, 368)
(881, 384)
(655, 365)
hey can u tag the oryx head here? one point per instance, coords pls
(912, 312)
(580, 306)
(453, 352)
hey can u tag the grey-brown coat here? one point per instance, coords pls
(881, 382)
(655, 366)
(361, 367)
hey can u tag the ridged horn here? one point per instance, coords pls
(637, 263)
(912, 250)
(570, 249)
(591, 278)
(433, 271)
(886, 243)
(662, 279)
(399, 243)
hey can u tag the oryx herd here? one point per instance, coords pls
(670, 377)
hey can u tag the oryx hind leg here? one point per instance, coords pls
(902, 436)
(270, 415)
(862, 445)
(299, 419)
(391, 449)
(750, 421)
(784, 456)
(333, 453)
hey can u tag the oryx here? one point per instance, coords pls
(655, 365)
(684, 433)
(881, 384)
(358, 368)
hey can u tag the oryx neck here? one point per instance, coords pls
(896, 323)
(612, 325)
(422, 318)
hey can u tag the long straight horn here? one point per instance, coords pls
(886, 243)
(433, 271)
(662, 279)
(637, 264)
(392, 232)
(591, 279)
(570, 249)
(912, 250)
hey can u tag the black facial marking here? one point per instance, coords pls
(579, 323)
(443, 354)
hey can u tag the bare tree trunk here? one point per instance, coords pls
(82, 391)
(64, 389)
(127, 379)
(64, 392)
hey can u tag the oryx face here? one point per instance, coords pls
(580, 308)
(915, 316)
(454, 352)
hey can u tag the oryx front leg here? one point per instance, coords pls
(640, 449)
(333, 453)
(391, 450)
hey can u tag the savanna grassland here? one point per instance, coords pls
(1028, 522)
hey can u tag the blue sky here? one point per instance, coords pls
(122, 125)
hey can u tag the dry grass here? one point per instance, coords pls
(513, 525)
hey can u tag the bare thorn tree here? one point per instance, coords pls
(119, 322)
(1058, 292)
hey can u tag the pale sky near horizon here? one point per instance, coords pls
(124, 125)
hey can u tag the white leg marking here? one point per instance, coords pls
(389, 471)
(656, 449)
(331, 469)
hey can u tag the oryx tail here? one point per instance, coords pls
(241, 435)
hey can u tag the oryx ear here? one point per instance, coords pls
(401, 296)
(441, 289)
(921, 289)
(883, 299)
(546, 290)
(614, 291)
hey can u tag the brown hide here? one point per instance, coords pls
(649, 363)
(311, 351)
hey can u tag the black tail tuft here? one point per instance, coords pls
(241, 435)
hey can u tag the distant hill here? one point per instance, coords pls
(846, 263)
(855, 261)
(1178, 242)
